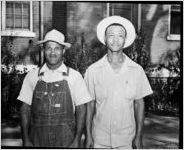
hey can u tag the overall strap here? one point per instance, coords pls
(40, 74)
(67, 72)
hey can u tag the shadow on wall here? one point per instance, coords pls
(159, 45)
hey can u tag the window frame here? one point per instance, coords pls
(16, 32)
(170, 36)
(135, 19)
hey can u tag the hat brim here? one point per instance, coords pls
(67, 45)
(101, 28)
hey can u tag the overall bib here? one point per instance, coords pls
(52, 114)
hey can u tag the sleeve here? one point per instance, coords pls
(80, 92)
(89, 80)
(143, 86)
(27, 88)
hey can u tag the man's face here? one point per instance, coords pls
(53, 53)
(115, 37)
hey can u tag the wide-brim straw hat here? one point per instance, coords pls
(55, 36)
(129, 27)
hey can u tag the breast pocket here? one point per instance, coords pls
(59, 103)
(100, 92)
(130, 90)
(40, 103)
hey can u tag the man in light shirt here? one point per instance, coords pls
(54, 98)
(117, 85)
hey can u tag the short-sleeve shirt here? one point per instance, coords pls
(114, 122)
(77, 86)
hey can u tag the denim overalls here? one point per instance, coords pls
(52, 114)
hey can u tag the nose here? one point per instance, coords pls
(52, 50)
(115, 38)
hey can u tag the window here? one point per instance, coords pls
(121, 9)
(17, 18)
(17, 15)
(174, 22)
(127, 10)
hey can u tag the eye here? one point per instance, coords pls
(57, 49)
(48, 48)
(122, 36)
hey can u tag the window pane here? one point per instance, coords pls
(18, 10)
(26, 16)
(121, 9)
(17, 15)
(175, 19)
(26, 23)
(9, 8)
(9, 23)
(175, 22)
(9, 15)
(18, 23)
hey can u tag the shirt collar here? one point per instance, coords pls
(62, 68)
(128, 61)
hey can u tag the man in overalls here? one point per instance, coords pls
(54, 97)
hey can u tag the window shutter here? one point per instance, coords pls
(126, 10)
(59, 16)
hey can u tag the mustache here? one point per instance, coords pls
(53, 55)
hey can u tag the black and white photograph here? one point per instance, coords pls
(91, 74)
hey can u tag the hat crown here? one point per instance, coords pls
(54, 35)
(129, 27)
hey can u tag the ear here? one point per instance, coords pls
(105, 39)
(64, 50)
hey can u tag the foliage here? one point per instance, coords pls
(137, 52)
(80, 56)
(12, 75)
(166, 95)
(171, 61)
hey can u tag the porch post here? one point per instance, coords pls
(41, 31)
(108, 9)
(139, 17)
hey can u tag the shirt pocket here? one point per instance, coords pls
(100, 93)
(130, 90)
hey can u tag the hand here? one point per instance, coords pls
(75, 144)
(137, 143)
(27, 143)
(89, 142)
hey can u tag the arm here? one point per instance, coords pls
(139, 118)
(80, 122)
(89, 119)
(25, 121)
